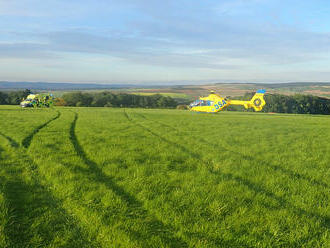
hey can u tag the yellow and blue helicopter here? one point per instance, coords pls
(214, 103)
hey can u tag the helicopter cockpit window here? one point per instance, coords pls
(201, 103)
(195, 103)
(206, 103)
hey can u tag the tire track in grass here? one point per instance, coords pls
(181, 147)
(294, 175)
(5, 216)
(137, 212)
(12, 142)
(36, 214)
(217, 242)
(28, 201)
(93, 220)
(257, 188)
(282, 203)
(20, 196)
(28, 139)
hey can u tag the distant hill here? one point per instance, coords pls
(60, 86)
(185, 91)
(295, 84)
(239, 89)
(306, 88)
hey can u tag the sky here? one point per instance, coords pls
(149, 41)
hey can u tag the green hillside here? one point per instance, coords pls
(114, 177)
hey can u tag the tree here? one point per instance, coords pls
(3, 98)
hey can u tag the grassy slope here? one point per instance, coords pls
(100, 177)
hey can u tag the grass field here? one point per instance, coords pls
(103, 177)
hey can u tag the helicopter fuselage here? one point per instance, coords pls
(212, 103)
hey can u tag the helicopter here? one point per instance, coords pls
(214, 102)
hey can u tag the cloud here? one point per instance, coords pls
(25, 50)
(220, 51)
(225, 36)
(238, 7)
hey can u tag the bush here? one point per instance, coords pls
(59, 102)
(182, 107)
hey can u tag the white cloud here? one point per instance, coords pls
(158, 36)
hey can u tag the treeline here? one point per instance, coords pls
(295, 104)
(108, 99)
(13, 97)
(101, 99)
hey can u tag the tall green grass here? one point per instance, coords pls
(103, 177)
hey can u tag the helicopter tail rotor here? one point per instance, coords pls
(258, 101)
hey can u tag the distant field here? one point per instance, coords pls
(187, 93)
(103, 177)
(173, 95)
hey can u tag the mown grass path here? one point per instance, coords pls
(102, 177)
